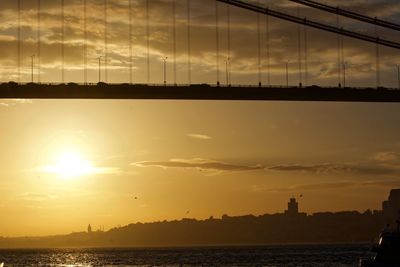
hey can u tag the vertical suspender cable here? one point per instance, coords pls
(343, 63)
(339, 57)
(106, 40)
(130, 44)
(62, 41)
(228, 21)
(148, 39)
(268, 50)
(174, 36)
(259, 48)
(85, 35)
(378, 63)
(189, 42)
(217, 40)
(299, 51)
(378, 66)
(38, 39)
(19, 41)
(305, 56)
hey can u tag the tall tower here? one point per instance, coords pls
(89, 229)
(293, 207)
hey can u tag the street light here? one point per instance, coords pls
(99, 58)
(32, 61)
(165, 70)
(344, 74)
(287, 73)
(227, 63)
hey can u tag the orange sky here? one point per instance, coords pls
(210, 158)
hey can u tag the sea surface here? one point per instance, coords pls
(293, 255)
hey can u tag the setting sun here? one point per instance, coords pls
(70, 165)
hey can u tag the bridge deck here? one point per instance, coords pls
(196, 92)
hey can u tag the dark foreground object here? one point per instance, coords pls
(196, 92)
(387, 251)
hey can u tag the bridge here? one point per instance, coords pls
(221, 89)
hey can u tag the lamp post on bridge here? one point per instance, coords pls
(165, 70)
(32, 61)
(227, 63)
(344, 74)
(99, 58)
(287, 73)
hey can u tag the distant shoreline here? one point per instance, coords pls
(194, 247)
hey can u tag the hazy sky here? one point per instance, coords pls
(65, 164)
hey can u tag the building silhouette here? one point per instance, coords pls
(89, 229)
(391, 207)
(293, 207)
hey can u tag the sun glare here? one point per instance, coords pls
(71, 165)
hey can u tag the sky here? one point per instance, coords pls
(67, 163)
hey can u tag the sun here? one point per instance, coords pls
(71, 165)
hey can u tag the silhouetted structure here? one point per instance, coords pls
(13, 90)
(293, 207)
(288, 227)
(391, 207)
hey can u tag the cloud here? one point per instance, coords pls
(200, 136)
(366, 169)
(199, 164)
(14, 102)
(384, 164)
(388, 157)
(329, 185)
(32, 196)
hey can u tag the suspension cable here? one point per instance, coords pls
(378, 67)
(311, 23)
(148, 39)
(268, 50)
(349, 14)
(343, 63)
(38, 39)
(299, 51)
(19, 41)
(259, 48)
(130, 44)
(174, 38)
(228, 60)
(339, 57)
(85, 49)
(189, 42)
(305, 56)
(106, 40)
(62, 41)
(217, 40)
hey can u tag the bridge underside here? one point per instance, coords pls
(196, 92)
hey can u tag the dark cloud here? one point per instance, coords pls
(382, 164)
(200, 164)
(364, 169)
(330, 185)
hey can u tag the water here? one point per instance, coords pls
(271, 256)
